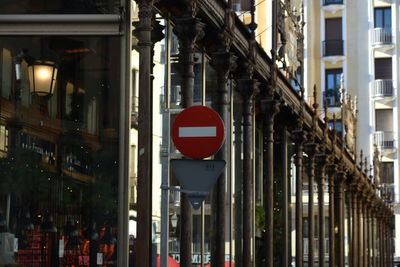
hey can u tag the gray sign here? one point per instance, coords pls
(196, 177)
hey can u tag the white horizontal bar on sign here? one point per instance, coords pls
(198, 131)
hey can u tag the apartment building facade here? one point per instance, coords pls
(352, 48)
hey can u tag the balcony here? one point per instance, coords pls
(383, 90)
(385, 142)
(332, 5)
(381, 38)
(332, 50)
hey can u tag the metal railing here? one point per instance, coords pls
(332, 48)
(383, 88)
(384, 139)
(333, 2)
(381, 36)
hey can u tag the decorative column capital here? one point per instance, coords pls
(145, 8)
(189, 30)
(270, 106)
(331, 169)
(224, 63)
(320, 160)
(248, 87)
(311, 148)
(299, 136)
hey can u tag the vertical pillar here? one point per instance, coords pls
(373, 237)
(359, 228)
(331, 229)
(349, 225)
(368, 221)
(188, 30)
(378, 232)
(365, 237)
(339, 219)
(320, 160)
(270, 109)
(385, 235)
(354, 245)
(286, 260)
(299, 137)
(224, 63)
(144, 135)
(381, 249)
(248, 87)
(311, 150)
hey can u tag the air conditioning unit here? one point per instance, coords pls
(8, 246)
(236, 7)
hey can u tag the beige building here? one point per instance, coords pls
(353, 44)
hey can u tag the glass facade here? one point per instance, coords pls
(59, 157)
(59, 7)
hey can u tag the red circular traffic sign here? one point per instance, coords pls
(198, 132)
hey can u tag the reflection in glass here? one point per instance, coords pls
(237, 162)
(59, 152)
(59, 7)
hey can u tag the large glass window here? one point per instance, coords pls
(59, 152)
(332, 86)
(383, 17)
(59, 7)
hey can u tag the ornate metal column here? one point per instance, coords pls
(311, 150)
(248, 88)
(286, 259)
(331, 170)
(359, 228)
(381, 248)
(321, 161)
(270, 109)
(384, 241)
(354, 231)
(373, 235)
(339, 218)
(368, 221)
(144, 134)
(298, 137)
(189, 30)
(365, 236)
(224, 63)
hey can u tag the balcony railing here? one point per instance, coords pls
(384, 139)
(332, 48)
(382, 88)
(381, 36)
(333, 2)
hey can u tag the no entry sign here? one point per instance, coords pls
(198, 132)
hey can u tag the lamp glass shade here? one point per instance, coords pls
(174, 220)
(42, 77)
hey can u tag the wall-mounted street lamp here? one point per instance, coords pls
(42, 74)
(174, 221)
(42, 77)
